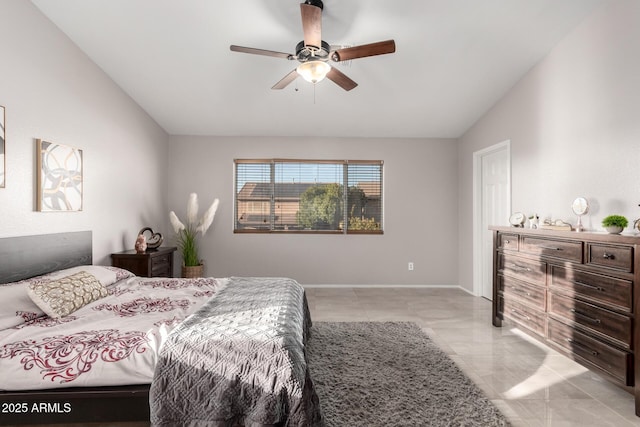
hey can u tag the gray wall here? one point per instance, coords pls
(420, 185)
(52, 91)
(574, 127)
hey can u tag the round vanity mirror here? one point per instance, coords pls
(580, 207)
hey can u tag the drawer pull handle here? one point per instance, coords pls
(585, 316)
(520, 291)
(582, 346)
(552, 248)
(586, 285)
(520, 267)
(608, 256)
(518, 314)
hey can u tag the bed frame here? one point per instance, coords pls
(29, 256)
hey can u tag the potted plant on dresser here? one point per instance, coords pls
(614, 224)
(186, 235)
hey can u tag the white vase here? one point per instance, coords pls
(614, 229)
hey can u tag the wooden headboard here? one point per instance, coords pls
(27, 256)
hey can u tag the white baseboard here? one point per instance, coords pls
(381, 286)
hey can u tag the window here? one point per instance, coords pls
(308, 196)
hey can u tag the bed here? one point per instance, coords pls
(117, 347)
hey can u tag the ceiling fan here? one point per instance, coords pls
(314, 54)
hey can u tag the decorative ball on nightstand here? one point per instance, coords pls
(141, 244)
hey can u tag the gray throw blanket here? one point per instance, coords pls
(239, 360)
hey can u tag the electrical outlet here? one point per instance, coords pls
(410, 266)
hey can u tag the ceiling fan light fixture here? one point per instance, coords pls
(313, 71)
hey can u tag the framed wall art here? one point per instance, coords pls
(3, 133)
(60, 171)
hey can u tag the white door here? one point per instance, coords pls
(492, 206)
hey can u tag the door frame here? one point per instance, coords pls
(477, 207)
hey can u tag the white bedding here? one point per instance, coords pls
(112, 341)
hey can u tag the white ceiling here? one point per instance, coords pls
(454, 60)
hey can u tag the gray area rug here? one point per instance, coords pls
(391, 374)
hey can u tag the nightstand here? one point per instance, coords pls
(152, 263)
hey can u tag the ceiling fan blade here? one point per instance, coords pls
(339, 78)
(311, 24)
(372, 49)
(264, 52)
(286, 80)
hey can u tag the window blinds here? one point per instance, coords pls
(309, 196)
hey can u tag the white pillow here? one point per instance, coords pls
(16, 307)
(61, 297)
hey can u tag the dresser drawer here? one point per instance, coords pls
(508, 242)
(532, 295)
(160, 266)
(616, 257)
(522, 268)
(528, 317)
(134, 265)
(602, 289)
(560, 249)
(616, 363)
(614, 325)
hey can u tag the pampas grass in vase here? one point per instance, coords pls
(186, 235)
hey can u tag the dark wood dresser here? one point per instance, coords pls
(152, 263)
(576, 292)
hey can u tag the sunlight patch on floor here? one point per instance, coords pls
(541, 378)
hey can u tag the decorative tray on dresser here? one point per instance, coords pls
(576, 292)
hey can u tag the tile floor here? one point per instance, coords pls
(532, 384)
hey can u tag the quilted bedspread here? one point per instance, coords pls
(239, 360)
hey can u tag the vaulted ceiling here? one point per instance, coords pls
(454, 60)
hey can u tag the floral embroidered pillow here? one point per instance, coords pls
(61, 297)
